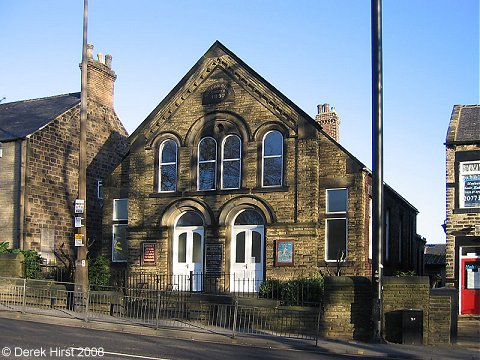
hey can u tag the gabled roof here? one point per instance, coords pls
(218, 50)
(464, 125)
(22, 118)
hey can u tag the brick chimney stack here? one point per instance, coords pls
(100, 78)
(329, 120)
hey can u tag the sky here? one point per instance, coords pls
(313, 51)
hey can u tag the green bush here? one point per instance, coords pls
(99, 272)
(296, 292)
(32, 261)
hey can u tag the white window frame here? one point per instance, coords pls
(205, 162)
(160, 164)
(327, 242)
(461, 185)
(272, 157)
(239, 159)
(115, 201)
(113, 243)
(337, 215)
(327, 201)
(100, 189)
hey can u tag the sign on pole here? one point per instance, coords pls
(79, 206)
(78, 239)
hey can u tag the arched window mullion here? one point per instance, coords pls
(207, 164)
(231, 162)
(167, 166)
(272, 159)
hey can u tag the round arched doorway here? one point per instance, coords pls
(188, 250)
(247, 252)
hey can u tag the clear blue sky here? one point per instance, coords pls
(314, 51)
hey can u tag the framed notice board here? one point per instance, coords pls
(284, 251)
(149, 254)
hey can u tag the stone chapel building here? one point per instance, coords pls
(39, 150)
(228, 180)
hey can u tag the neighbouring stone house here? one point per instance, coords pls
(434, 264)
(462, 224)
(39, 149)
(229, 181)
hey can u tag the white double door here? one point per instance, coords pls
(247, 258)
(188, 250)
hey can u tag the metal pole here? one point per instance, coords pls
(81, 269)
(377, 155)
(235, 314)
(24, 298)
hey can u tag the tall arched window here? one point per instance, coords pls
(207, 160)
(231, 162)
(167, 167)
(272, 159)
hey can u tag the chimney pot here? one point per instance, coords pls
(323, 108)
(89, 51)
(108, 61)
(100, 58)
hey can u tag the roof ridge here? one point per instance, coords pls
(73, 94)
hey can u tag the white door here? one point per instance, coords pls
(247, 254)
(188, 258)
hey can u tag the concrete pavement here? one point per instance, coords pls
(467, 346)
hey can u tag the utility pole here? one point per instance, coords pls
(81, 265)
(377, 157)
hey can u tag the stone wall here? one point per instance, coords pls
(10, 190)
(347, 308)
(11, 265)
(442, 316)
(409, 292)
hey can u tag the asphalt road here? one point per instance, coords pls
(29, 340)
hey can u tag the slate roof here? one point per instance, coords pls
(435, 254)
(433, 259)
(464, 125)
(22, 118)
(469, 124)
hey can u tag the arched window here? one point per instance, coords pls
(272, 159)
(207, 159)
(249, 217)
(190, 218)
(231, 162)
(167, 167)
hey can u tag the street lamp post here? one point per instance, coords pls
(377, 157)
(81, 265)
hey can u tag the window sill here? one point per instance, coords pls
(466, 210)
(215, 192)
(270, 189)
(333, 263)
(165, 194)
